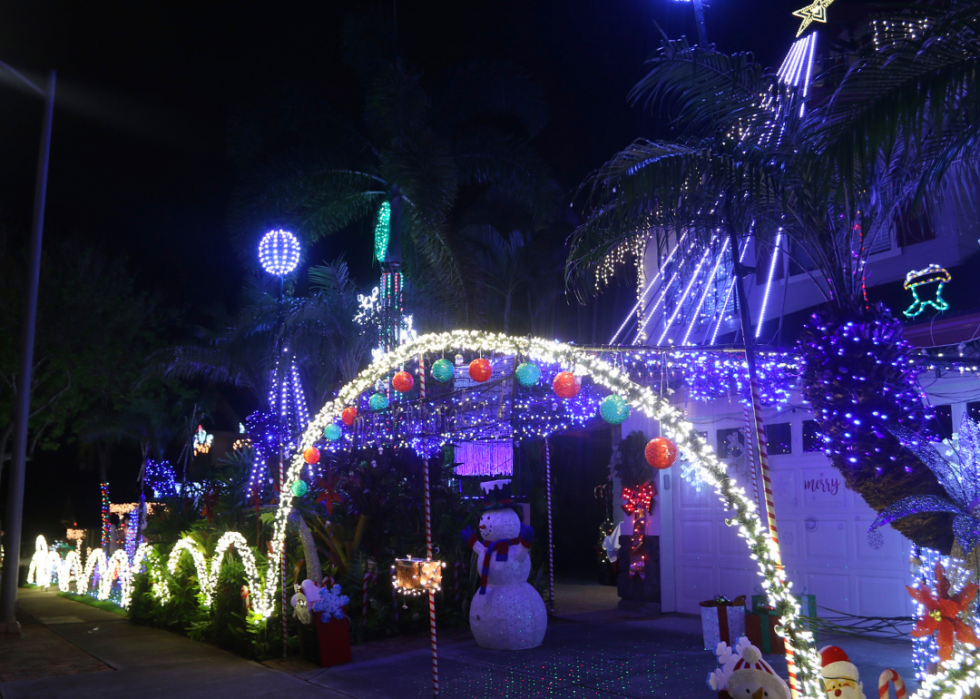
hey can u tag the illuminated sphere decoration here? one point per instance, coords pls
(348, 415)
(566, 384)
(378, 402)
(311, 455)
(402, 382)
(481, 370)
(614, 410)
(299, 488)
(528, 374)
(660, 453)
(279, 253)
(332, 432)
(442, 370)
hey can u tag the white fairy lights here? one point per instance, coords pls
(279, 253)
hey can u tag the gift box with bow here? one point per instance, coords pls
(722, 619)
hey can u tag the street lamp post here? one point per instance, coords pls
(13, 517)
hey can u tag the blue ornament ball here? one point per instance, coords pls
(332, 432)
(528, 374)
(378, 402)
(299, 488)
(442, 370)
(614, 410)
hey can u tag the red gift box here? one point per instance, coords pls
(771, 642)
(334, 638)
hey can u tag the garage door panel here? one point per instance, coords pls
(882, 595)
(833, 591)
(697, 538)
(823, 489)
(828, 540)
(698, 583)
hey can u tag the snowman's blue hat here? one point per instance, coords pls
(496, 494)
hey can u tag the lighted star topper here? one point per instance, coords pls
(814, 12)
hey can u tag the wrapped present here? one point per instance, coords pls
(808, 611)
(761, 631)
(722, 620)
(334, 637)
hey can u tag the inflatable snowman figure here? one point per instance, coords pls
(507, 613)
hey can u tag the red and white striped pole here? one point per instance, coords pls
(750, 454)
(551, 547)
(428, 550)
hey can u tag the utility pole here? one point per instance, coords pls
(13, 516)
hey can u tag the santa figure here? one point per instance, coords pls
(841, 679)
(744, 674)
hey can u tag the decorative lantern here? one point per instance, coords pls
(311, 455)
(442, 370)
(614, 410)
(348, 415)
(417, 576)
(528, 374)
(480, 370)
(660, 453)
(332, 432)
(566, 384)
(378, 402)
(402, 382)
(298, 488)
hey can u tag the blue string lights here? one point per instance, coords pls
(279, 253)
(161, 478)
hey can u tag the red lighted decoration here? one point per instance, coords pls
(640, 498)
(349, 415)
(480, 370)
(567, 384)
(311, 455)
(402, 382)
(941, 614)
(660, 453)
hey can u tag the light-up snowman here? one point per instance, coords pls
(507, 613)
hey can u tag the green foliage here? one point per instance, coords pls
(104, 605)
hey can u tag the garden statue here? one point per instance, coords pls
(507, 613)
(841, 679)
(744, 673)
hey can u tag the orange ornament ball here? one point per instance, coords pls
(660, 453)
(348, 415)
(566, 384)
(402, 382)
(311, 455)
(480, 370)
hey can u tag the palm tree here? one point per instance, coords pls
(416, 144)
(753, 155)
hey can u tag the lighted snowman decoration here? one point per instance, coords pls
(507, 613)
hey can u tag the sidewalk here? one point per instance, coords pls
(587, 655)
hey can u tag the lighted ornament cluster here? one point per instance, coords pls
(279, 253)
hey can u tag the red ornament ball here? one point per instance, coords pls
(311, 455)
(480, 370)
(402, 382)
(661, 453)
(349, 415)
(567, 384)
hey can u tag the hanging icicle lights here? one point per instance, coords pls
(279, 253)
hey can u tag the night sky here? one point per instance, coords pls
(145, 91)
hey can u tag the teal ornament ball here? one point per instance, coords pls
(442, 370)
(298, 488)
(528, 374)
(332, 432)
(378, 402)
(614, 410)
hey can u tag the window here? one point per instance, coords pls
(780, 438)
(914, 227)
(731, 443)
(812, 440)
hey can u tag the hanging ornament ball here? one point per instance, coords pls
(458, 359)
(402, 382)
(311, 455)
(298, 488)
(661, 453)
(480, 370)
(378, 402)
(348, 415)
(566, 384)
(332, 432)
(442, 370)
(614, 410)
(528, 374)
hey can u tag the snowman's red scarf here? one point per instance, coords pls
(502, 547)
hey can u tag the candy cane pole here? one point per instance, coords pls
(428, 553)
(750, 452)
(886, 677)
(551, 547)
